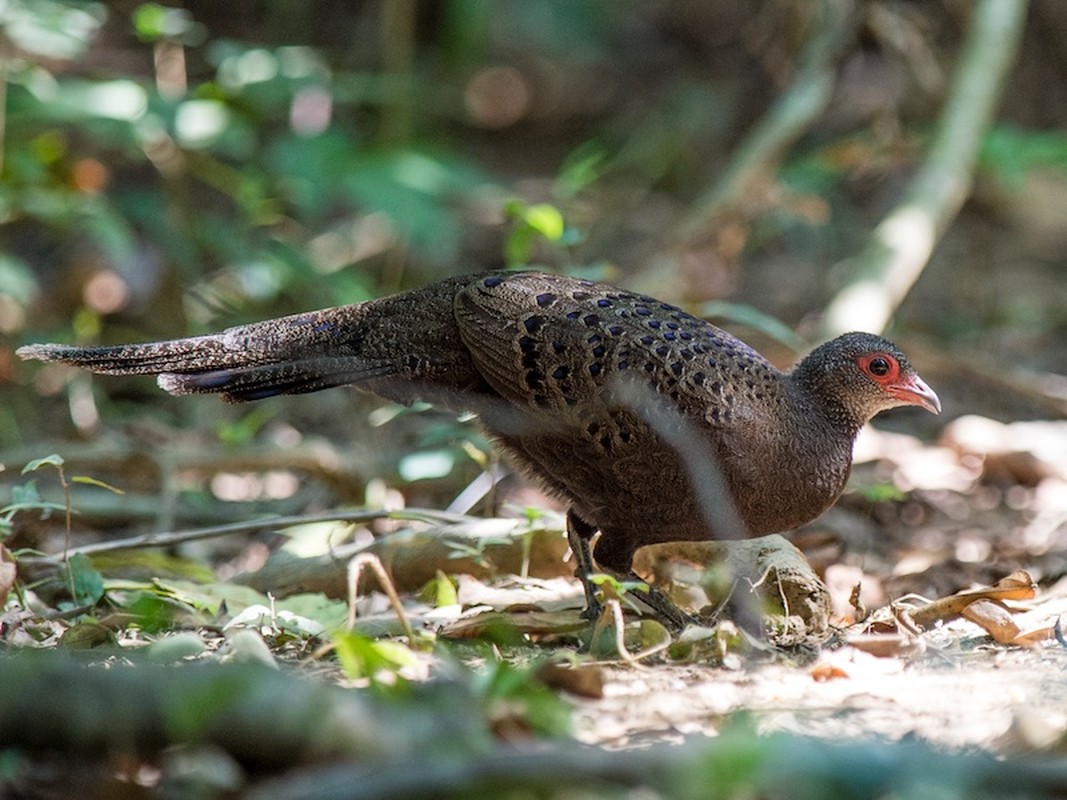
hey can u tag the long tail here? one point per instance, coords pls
(411, 337)
(283, 356)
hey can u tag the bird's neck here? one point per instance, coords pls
(823, 435)
(811, 400)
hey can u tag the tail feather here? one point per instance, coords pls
(237, 364)
(405, 347)
(179, 355)
(268, 380)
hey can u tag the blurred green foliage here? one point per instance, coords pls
(220, 165)
(51, 28)
(1010, 153)
(250, 172)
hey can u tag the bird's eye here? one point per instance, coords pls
(879, 366)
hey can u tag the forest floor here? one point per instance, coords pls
(986, 502)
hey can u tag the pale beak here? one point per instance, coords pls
(914, 391)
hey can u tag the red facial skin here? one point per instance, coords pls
(908, 388)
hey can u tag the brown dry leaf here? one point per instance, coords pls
(850, 663)
(994, 618)
(1035, 636)
(1017, 586)
(8, 573)
(552, 594)
(532, 623)
(827, 672)
(886, 645)
(584, 680)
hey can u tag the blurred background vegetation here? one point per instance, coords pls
(173, 169)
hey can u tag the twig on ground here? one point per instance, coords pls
(355, 569)
(171, 538)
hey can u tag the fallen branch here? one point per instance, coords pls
(171, 538)
(768, 565)
(480, 547)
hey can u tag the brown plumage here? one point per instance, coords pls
(591, 389)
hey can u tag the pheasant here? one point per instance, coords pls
(626, 408)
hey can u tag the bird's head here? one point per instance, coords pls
(859, 375)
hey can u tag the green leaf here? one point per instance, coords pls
(380, 661)
(38, 506)
(87, 635)
(1009, 153)
(149, 21)
(53, 460)
(25, 497)
(94, 482)
(882, 493)
(620, 586)
(546, 220)
(511, 692)
(440, 591)
(153, 612)
(533, 222)
(243, 430)
(153, 21)
(209, 597)
(25, 494)
(518, 246)
(329, 613)
(86, 583)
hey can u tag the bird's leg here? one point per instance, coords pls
(616, 555)
(579, 532)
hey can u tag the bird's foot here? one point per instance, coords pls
(673, 617)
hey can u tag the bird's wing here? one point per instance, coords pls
(542, 341)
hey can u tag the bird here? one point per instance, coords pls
(624, 407)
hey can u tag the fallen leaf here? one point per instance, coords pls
(1017, 586)
(535, 623)
(583, 680)
(1035, 636)
(86, 635)
(827, 672)
(886, 645)
(994, 618)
